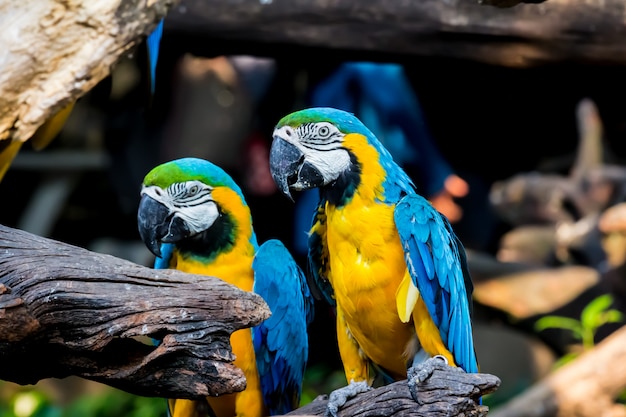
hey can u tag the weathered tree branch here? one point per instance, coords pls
(524, 35)
(69, 311)
(448, 392)
(53, 52)
(508, 3)
(586, 387)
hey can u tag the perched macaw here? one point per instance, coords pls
(379, 252)
(194, 218)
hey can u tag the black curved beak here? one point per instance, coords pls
(157, 225)
(290, 170)
(285, 161)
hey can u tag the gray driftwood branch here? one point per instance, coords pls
(69, 311)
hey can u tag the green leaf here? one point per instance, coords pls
(559, 322)
(612, 316)
(590, 316)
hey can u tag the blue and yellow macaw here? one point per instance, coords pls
(194, 218)
(379, 252)
(52, 127)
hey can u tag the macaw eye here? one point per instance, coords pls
(323, 131)
(193, 190)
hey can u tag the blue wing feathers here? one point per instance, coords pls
(437, 265)
(281, 341)
(426, 259)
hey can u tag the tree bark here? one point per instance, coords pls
(69, 311)
(586, 387)
(448, 392)
(521, 36)
(52, 52)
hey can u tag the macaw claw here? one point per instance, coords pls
(338, 397)
(422, 371)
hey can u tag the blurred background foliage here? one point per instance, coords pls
(54, 398)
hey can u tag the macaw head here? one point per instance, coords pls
(190, 200)
(308, 148)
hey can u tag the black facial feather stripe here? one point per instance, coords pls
(336, 137)
(193, 202)
(179, 193)
(313, 132)
(177, 189)
(323, 146)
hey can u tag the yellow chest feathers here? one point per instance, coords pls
(231, 267)
(361, 236)
(235, 264)
(365, 250)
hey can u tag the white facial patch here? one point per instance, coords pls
(329, 163)
(190, 201)
(322, 146)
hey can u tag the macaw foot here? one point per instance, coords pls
(338, 397)
(420, 372)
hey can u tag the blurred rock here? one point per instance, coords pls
(516, 358)
(525, 294)
(612, 224)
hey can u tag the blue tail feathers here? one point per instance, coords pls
(153, 42)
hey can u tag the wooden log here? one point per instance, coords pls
(525, 35)
(69, 311)
(51, 53)
(508, 3)
(448, 392)
(586, 387)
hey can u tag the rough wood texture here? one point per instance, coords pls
(52, 52)
(508, 3)
(586, 387)
(448, 392)
(524, 35)
(69, 311)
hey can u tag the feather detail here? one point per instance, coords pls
(51, 128)
(7, 155)
(154, 42)
(406, 298)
